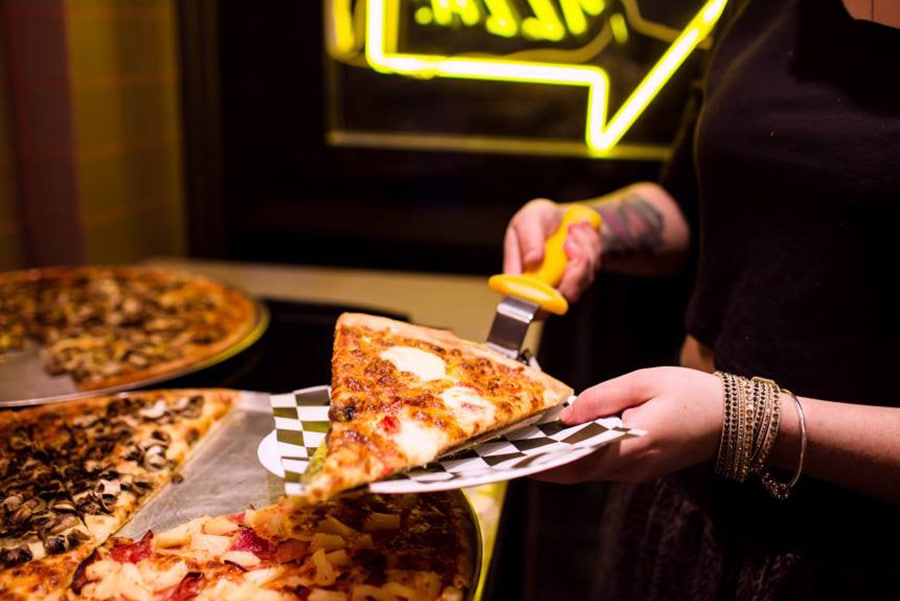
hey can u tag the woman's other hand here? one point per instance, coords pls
(680, 409)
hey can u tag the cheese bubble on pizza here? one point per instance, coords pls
(403, 395)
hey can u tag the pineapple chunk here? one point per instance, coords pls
(332, 525)
(219, 525)
(212, 545)
(245, 559)
(381, 521)
(325, 574)
(158, 579)
(177, 536)
(329, 542)
(338, 558)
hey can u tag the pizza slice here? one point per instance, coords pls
(403, 395)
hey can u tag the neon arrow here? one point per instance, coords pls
(600, 135)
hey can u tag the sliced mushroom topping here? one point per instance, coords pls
(93, 504)
(137, 359)
(92, 465)
(152, 445)
(162, 435)
(109, 488)
(108, 368)
(86, 421)
(42, 522)
(154, 411)
(27, 509)
(133, 454)
(189, 406)
(62, 523)
(15, 555)
(141, 484)
(12, 502)
(56, 544)
(62, 506)
(155, 461)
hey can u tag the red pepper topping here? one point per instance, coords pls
(390, 424)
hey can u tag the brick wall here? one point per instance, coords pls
(94, 132)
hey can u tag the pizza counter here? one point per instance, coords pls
(463, 304)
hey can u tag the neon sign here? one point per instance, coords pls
(563, 39)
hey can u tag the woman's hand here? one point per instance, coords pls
(681, 410)
(528, 230)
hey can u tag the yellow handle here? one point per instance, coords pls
(539, 285)
(555, 259)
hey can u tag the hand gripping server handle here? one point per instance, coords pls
(529, 292)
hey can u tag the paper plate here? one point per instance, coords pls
(301, 422)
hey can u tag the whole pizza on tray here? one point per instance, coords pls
(109, 327)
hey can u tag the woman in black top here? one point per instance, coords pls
(783, 195)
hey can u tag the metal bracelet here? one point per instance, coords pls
(781, 490)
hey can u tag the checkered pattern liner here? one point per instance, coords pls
(301, 422)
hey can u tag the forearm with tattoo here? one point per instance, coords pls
(631, 225)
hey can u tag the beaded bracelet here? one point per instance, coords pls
(728, 442)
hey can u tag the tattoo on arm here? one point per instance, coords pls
(632, 226)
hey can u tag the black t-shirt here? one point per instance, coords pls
(796, 153)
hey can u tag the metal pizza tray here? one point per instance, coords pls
(24, 382)
(222, 475)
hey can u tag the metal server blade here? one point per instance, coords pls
(510, 326)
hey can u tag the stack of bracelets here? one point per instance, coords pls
(752, 421)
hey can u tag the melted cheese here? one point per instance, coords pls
(420, 444)
(469, 410)
(424, 365)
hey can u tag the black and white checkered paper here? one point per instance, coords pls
(301, 422)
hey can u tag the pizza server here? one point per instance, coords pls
(528, 293)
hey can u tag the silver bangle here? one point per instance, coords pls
(781, 490)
